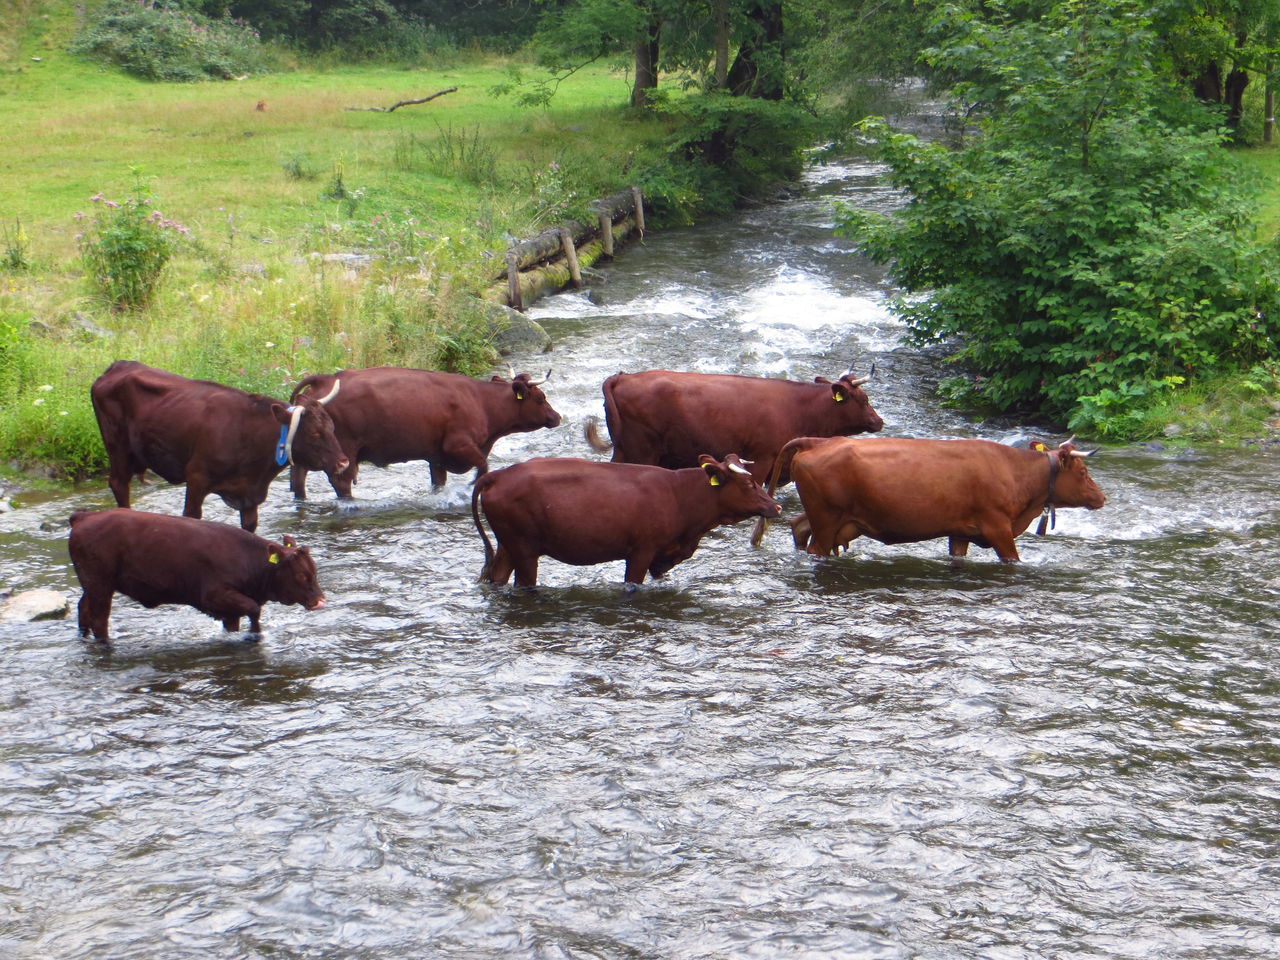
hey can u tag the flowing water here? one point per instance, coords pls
(880, 756)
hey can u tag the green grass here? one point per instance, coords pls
(1264, 162)
(249, 300)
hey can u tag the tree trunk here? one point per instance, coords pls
(722, 45)
(1269, 109)
(646, 50)
(757, 70)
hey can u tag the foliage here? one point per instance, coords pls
(126, 245)
(17, 247)
(159, 41)
(1092, 246)
(726, 150)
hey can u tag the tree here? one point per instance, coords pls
(1091, 247)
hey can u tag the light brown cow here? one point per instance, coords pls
(904, 491)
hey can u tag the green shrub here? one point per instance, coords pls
(160, 41)
(125, 247)
(17, 247)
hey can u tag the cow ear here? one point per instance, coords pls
(280, 412)
(519, 389)
(496, 379)
(274, 552)
(289, 541)
(839, 393)
(821, 380)
(715, 472)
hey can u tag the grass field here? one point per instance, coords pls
(267, 174)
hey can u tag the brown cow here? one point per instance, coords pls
(388, 415)
(669, 419)
(905, 491)
(214, 438)
(584, 512)
(219, 569)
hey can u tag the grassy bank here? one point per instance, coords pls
(273, 181)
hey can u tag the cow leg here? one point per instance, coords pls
(94, 612)
(957, 547)
(298, 482)
(499, 571)
(229, 605)
(196, 492)
(118, 480)
(438, 475)
(526, 568)
(1004, 547)
(801, 532)
(249, 518)
(638, 565)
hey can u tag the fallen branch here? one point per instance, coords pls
(406, 103)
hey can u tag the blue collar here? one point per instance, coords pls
(282, 455)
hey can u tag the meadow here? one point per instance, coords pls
(305, 235)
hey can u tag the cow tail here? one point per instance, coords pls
(480, 485)
(78, 516)
(592, 433)
(612, 420)
(781, 462)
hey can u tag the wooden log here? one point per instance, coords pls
(571, 258)
(552, 277)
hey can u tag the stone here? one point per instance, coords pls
(85, 323)
(514, 333)
(32, 605)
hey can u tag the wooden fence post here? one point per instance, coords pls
(638, 198)
(606, 231)
(571, 257)
(513, 280)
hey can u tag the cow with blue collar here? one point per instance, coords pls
(214, 438)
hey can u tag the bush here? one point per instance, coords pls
(157, 41)
(126, 246)
(727, 150)
(1090, 250)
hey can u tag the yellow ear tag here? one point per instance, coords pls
(714, 481)
(519, 396)
(1037, 445)
(838, 397)
(274, 558)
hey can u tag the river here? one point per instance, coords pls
(880, 756)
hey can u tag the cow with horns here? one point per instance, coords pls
(214, 438)
(391, 415)
(905, 491)
(584, 512)
(669, 419)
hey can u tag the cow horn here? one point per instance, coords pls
(511, 372)
(1071, 439)
(296, 412)
(332, 393)
(737, 467)
(538, 383)
(1083, 453)
(862, 380)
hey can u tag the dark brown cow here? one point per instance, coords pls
(214, 438)
(386, 415)
(219, 569)
(669, 419)
(905, 491)
(584, 512)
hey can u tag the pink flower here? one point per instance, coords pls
(111, 203)
(96, 197)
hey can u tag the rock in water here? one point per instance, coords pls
(31, 605)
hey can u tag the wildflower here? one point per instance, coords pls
(38, 401)
(96, 198)
(268, 344)
(45, 387)
(79, 215)
(110, 203)
(62, 413)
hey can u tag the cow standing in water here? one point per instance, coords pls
(219, 569)
(669, 419)
(904, 491)
(214, 438)
(584, 512)
(386, 415)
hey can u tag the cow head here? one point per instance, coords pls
(738, 496)
(853, 411)
(309, 439)
(532, 411)
(291, 575)
(1073, 487)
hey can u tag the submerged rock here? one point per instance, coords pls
(513, 332)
